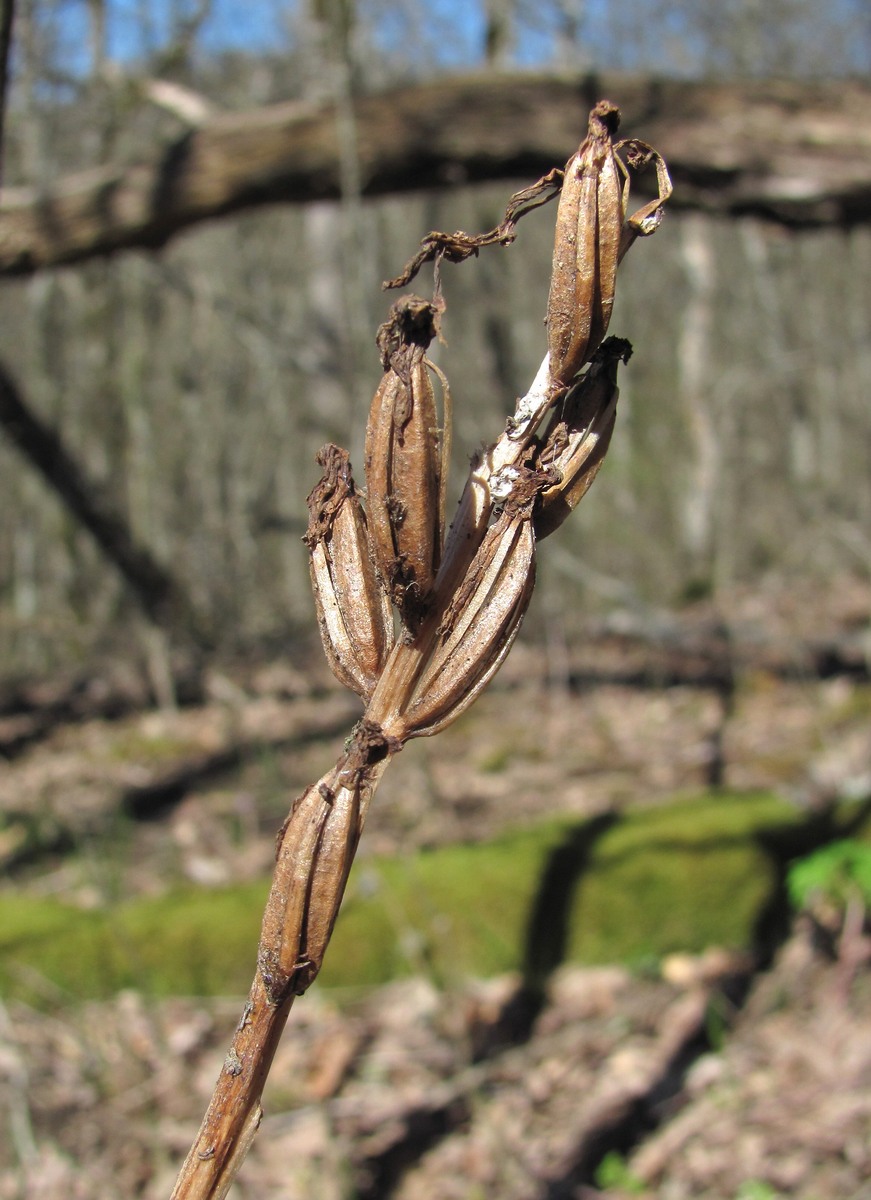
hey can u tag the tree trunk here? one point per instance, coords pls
(160, 595)
(7, 10)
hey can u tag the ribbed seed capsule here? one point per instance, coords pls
(589, 227)
(315, 849)
(577, 439)
(327, 873)
(478, 626)
(406, 459)
(354, 616)
(282, 937)
(315, 853)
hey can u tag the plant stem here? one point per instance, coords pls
(315, 850)
(234, 1113)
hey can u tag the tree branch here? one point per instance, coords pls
(782, 151)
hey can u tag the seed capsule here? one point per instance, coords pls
(589, 226)
(315, 852)
(281, 953)
(577, 439)
(478, 625)
(354, 616)
(406, 459)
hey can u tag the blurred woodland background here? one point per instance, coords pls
(178, 392)
(200, 200)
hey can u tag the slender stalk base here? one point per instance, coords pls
(234, 1113)
(316, 848)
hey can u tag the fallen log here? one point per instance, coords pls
(783, 151)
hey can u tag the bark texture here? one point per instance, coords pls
(159, 593)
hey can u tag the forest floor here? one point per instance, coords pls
(709, 1076)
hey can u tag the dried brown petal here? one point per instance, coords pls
(354, 616)
(647, 219)
(578, 437)
(406, 459)
(478, 626)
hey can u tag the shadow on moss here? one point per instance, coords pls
(705, 871)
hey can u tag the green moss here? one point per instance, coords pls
(46, 946)
(453, 912)
(679, 877)
(613, 1172)
(756, 1189)
(187, 942)
(205, 940)
(133, 745)
(685, 876)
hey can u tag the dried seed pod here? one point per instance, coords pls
(315, 853)
(589, 228)
(578, 437)
(281, 953)
(368, 752)
(354, 616)
(406, 459)
(315, 850)
(478, 626)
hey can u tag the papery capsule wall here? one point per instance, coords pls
(406, 460)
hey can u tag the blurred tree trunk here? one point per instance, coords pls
(160, 595)
(335, 25)
(499, 33)
(7, 10)
(570, 51)
(694, 353)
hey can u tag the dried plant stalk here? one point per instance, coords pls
(459, 600)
